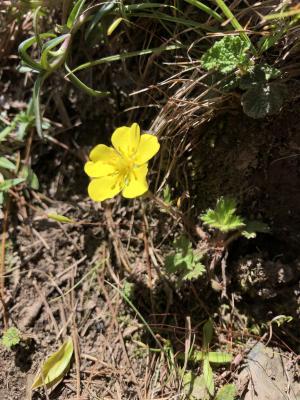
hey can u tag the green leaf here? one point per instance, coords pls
(261, 73)
(82, 86)
(184, 261)
(208, 377)
(128, 289)
(263, 99)
(223, 217)
(5, 132)
(167, 195)
(208, 332)
(197, 356)
(234, 22)
(227, 392)
(57, 57)
(26, 44)
(75, 12)
(36, 98)
(195, 272)
(6, 164)
(30, 177)
(203, 7)
(253, 227)
(226, 55)
(8, 183)
(60, 218)
(105, 9)
(219, 357)
(11, 337)
(55, 367)
(124, 56)
(195, 387)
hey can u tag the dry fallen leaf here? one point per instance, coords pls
(55, 367)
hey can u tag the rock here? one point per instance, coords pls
(269, 375)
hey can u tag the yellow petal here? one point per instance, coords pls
(103, 153)
(99, 168)
(147, 149)
(137, 184)
(104, 188)
(126, 140)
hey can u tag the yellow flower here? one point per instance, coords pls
(123, 167)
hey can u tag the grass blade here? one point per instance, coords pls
(82, 86)
(206, 9)
(124, 56)
(36, 102)
(75, 13)
(234, 22)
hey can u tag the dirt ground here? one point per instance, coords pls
(69, 279)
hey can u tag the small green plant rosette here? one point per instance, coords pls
(11, 337)
(226, 55)
(224, 216)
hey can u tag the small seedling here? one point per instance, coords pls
(224, 216)
(225, 219)
(207, 357)
(11, 337)
(184, 262)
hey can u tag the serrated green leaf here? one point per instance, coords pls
(227, 392)
(55, 367)
(184, 261)
(263, 99)
(208, 331)
(6, 164)
(194, 273)
(8, 183)
(219, 357)
(224, 216)
(11, 337)
(226, 55)
(208, 377)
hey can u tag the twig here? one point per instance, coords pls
(2, 265)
